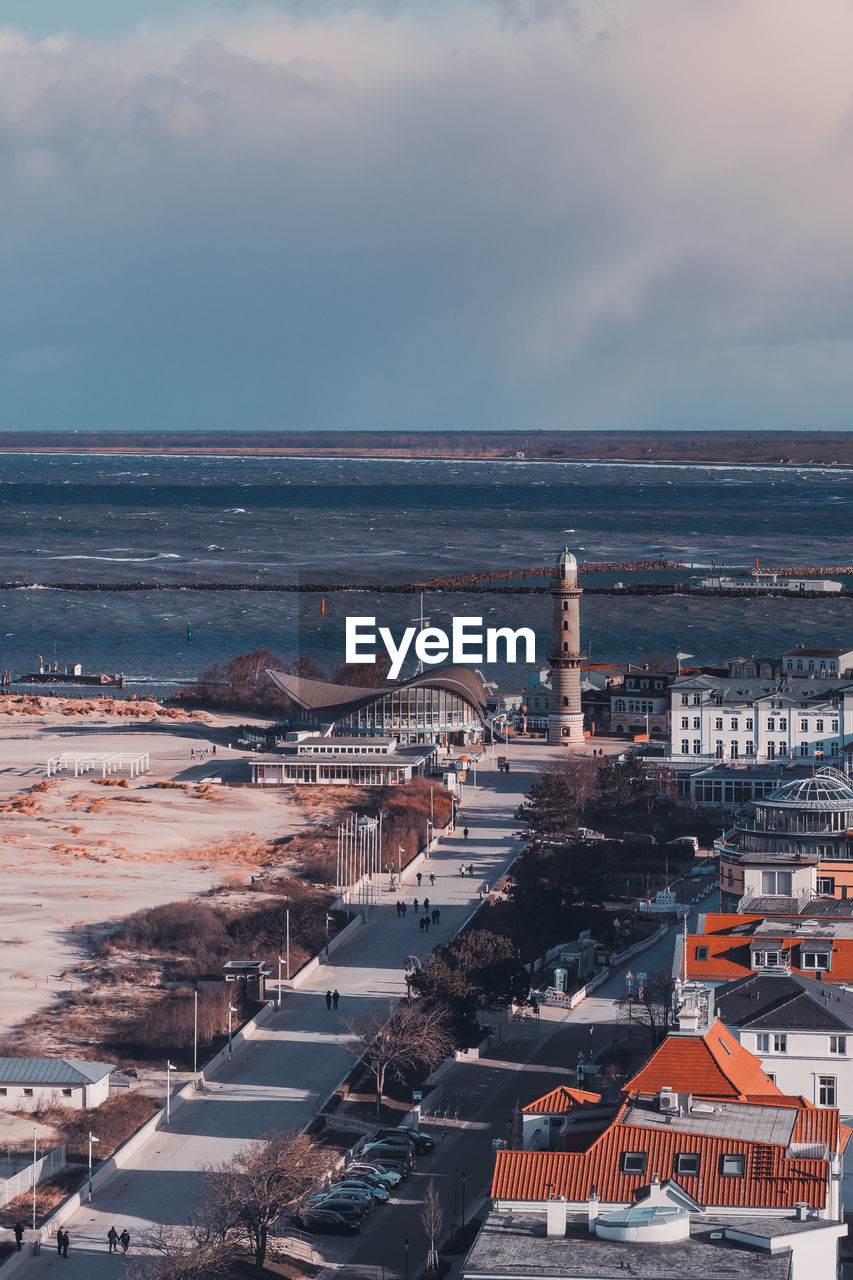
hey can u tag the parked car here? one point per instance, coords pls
(360, 1197)
(387, 1177)
(390, 1155)
(376, 1190)
(343, 1204)
(422, 1142)
(327, 1222)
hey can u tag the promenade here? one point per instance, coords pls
(282, 1075)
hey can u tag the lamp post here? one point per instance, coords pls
(278, 993)
(430, 834)
(92, 1139)
(195, 1029)
(463, 1178)
(35, 1180)
(400, 852)
(406, 1258)
(169, 1070)
(231, 1010)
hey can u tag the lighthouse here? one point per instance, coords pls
(565, 718)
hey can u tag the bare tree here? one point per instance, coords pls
(189, 1252)
(262, 1182)
(432, 1221)
(653, 1005)
(389, 1046)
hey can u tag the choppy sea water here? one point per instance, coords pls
(244, 520)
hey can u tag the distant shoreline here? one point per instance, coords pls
(718, 449)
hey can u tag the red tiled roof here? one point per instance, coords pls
(559, 1101)
(770, 1179)
(714, 1065)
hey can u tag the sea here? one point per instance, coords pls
(72, 520)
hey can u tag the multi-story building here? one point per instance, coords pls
(799, 1029)
(795, 843)
(727, 946)
(641, 704)
(761, 718)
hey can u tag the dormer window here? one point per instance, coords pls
(701, 953)
(812, 959)
(634, 1161)
(687, 1164)
(731, 1166)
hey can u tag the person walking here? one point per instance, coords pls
(427, 923)
(19, 1234)
(432, 877)
(336, 995)
(66, 1240)
(461, 868)
(405, 909)
(112, 1237)
(125, 1240)
(471, 869)
(421, 924)
(426, 904)
(435, 915)
(399, 908)
(465, 833)
(328, 999)
(420, 878)
(416, 904)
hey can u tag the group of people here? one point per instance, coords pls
(114, 1240)
(202, 752)
(463, 870)
(419, 877)
(332, 998)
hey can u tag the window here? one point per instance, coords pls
(783, 725)
(771, 724)
(826, 886)
(685, 747)
(687, 1162)
(765, 959)
(718, 723)
(731, 1166)
(697, 723)
(3, 1093)
(762, 1043)
(685, 699)
(734, 724)
(685, 722)
(735, 751)
(804, 725)
(804, 748)
(835, 726)
(28, 1093)
(837, 1044)
(697, 747)
(697, 699)
(780, 1043)
(819, 726)
(771, 1075)
(701, 953)
(826, 1091)
(66, 1093)
(718, 750)
(750, 746)
(776, 882)
(771, 751)
(749, 723)
(633, 1161)
(816, 960)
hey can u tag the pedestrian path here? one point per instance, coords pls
(299, 1056)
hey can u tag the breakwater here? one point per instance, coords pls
(466, 584)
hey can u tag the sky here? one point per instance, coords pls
(463, 214)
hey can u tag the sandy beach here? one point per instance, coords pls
(78, 851)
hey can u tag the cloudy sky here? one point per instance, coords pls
(455, 214)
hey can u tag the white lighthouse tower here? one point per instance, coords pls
(565, 719)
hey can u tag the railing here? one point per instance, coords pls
(45, 1167)
(744, 901)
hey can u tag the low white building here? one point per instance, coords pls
(27, 1083)
(800, 1029)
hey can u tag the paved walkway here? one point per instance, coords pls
(298, 1058)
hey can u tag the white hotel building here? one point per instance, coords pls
(804, 712)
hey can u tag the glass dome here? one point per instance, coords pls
(827, 789)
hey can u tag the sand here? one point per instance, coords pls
(75, 852)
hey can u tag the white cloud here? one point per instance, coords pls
(534, 213)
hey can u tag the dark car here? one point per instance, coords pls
(422, 1142)
(348, 1206)
(327, 1222)
(391, 1155)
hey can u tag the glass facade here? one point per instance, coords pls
(417, 709)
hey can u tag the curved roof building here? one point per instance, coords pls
(447, 701)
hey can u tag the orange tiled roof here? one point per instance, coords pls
(730, 956)
(714, 1065)
(559, 1101)
(770, 1179)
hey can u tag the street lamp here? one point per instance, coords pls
(278, 995)
(35, 1179)
(406, 1258)
(463, 1178)
(169, 1070)
(400, 852)
(231, 1010)
(195, 1029)
(92, 1139)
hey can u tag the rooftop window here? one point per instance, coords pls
(687, 1164)
(731, 1166)
(633, 1161)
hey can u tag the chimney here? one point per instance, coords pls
(592, 1207)
(802, 1210)
(556, 1210)
(654, 1190)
